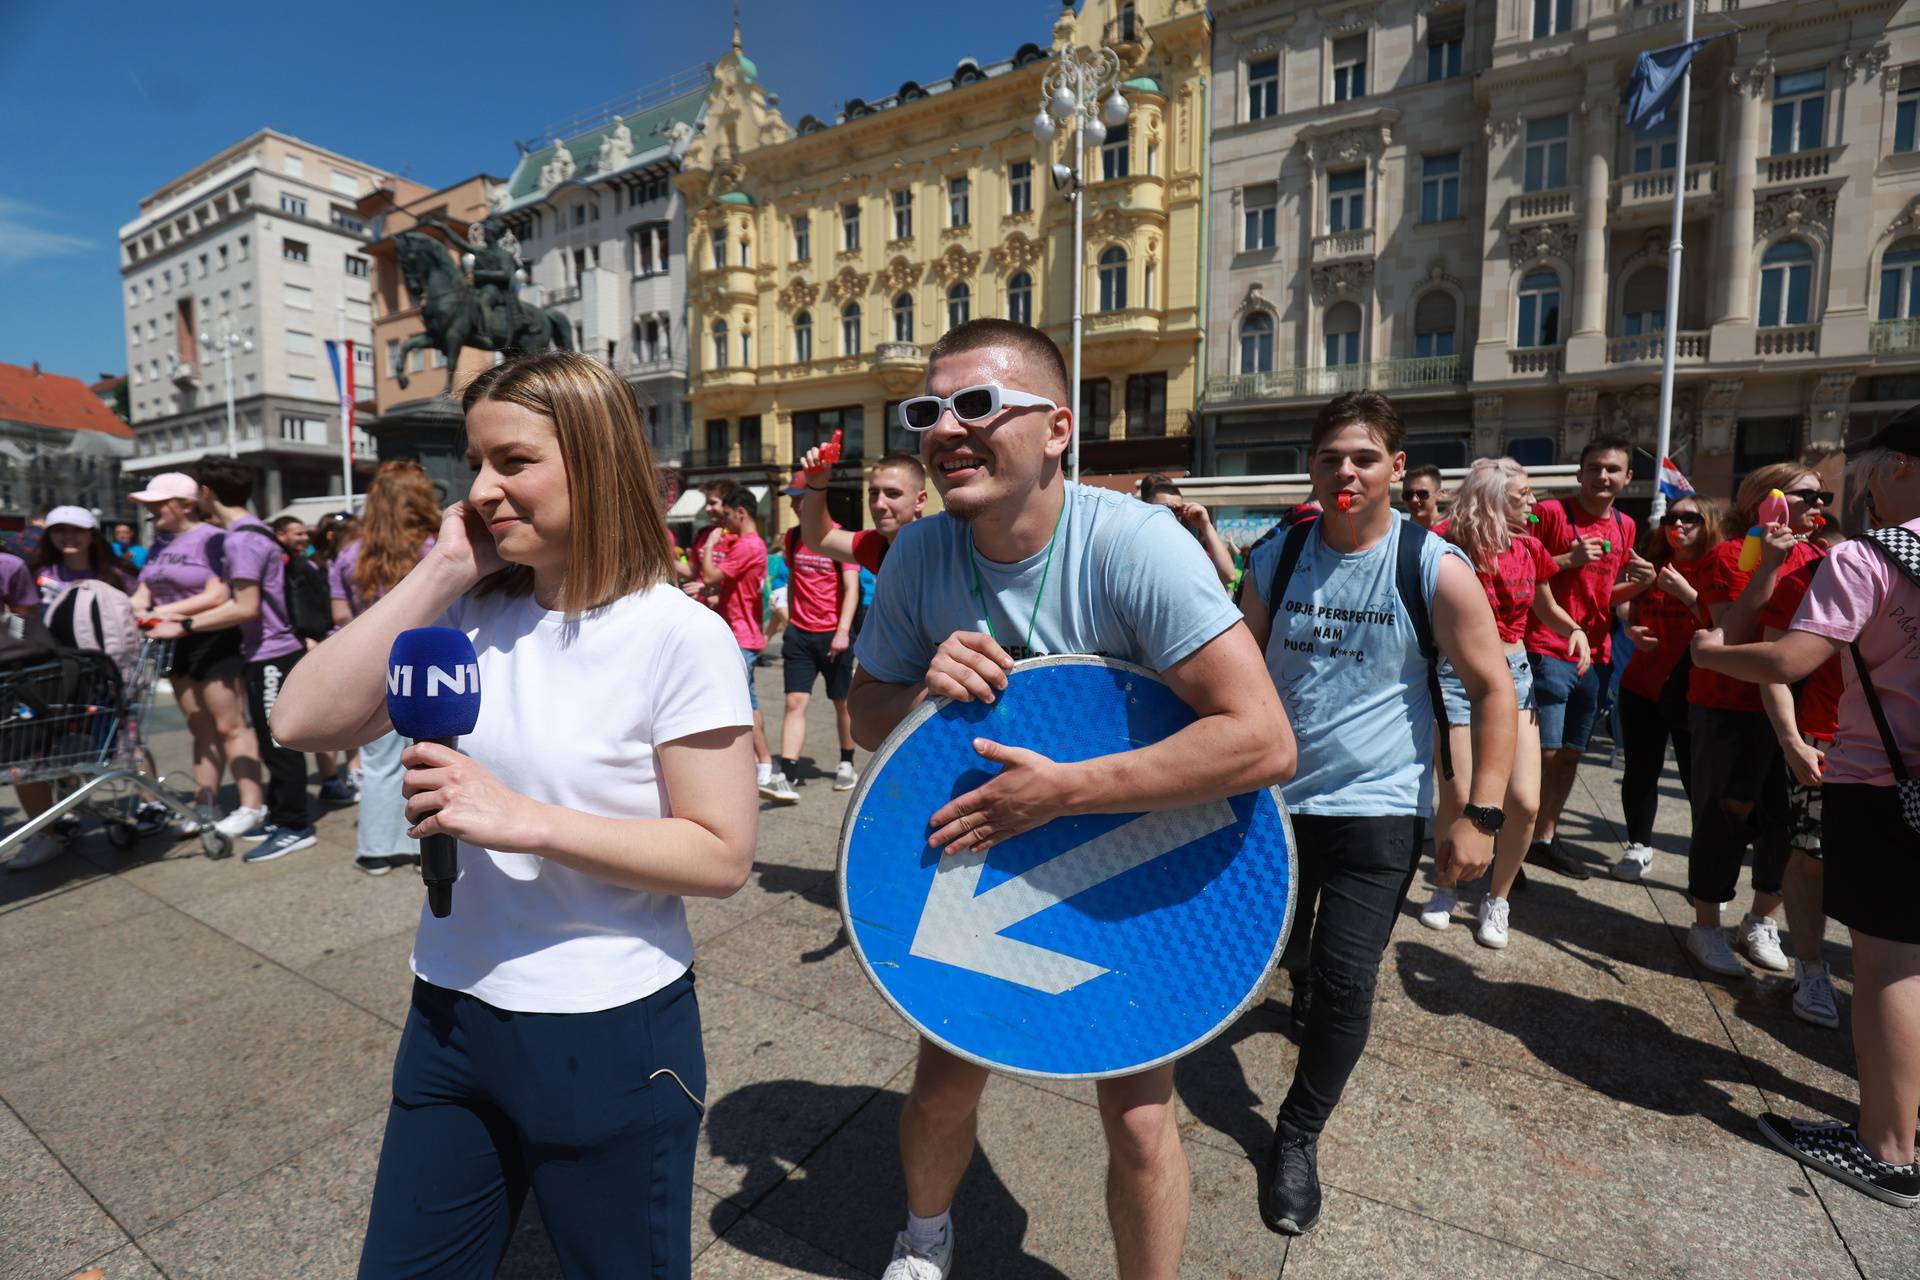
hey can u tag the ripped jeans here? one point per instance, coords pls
(1354, 874)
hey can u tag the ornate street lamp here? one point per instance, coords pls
(226, 345)
(1080, 92)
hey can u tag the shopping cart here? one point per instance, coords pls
(74, 722)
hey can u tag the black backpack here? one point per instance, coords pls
(1407, 583)
(53, 700)
(308, 605)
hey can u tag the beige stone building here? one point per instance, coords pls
(828, 256)
(1441, 199)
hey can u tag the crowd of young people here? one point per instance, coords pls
(1426, 677)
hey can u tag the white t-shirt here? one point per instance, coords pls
(571, 712)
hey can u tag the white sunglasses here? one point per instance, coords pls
(969, 405)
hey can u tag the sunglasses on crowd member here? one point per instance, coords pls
(1688, 519)
(969, 405)
(1415, 495)
(1812, 497)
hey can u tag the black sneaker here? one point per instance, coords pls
(373, 864)
(1835, 1150)
(1290, 1200)
(1550, 855)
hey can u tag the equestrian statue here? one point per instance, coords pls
(482, 313)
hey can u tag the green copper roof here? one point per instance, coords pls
(748, 69)
(736, 197)
(1146, 84)
(648, 128)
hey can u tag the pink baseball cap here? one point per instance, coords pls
(169, 484)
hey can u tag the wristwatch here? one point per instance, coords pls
(186, 624)
(1485, 817)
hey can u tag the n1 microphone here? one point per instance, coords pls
(433, 695)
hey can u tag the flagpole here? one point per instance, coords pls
(1670, 325)
(346, 410)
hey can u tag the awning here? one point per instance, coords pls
(692, 502)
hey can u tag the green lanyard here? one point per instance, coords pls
(979, 590)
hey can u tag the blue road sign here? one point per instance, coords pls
(1093, 946)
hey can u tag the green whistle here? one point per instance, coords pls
(1532, 518)
(1606, 546)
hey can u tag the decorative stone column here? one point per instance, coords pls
(1587, 345)
(1733, 263)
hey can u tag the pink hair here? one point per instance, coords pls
(1477, 524)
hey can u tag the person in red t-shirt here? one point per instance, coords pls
(733, 567)
(896, 497)
(1653, 692)
(1490, 511)
(692, 583)
(822, 596)
(1591, 543)
(1739, 789)
(1805, 718)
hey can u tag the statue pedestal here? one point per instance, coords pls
(432, 432)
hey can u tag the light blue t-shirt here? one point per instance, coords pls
(1343, 655)
(1127, 582)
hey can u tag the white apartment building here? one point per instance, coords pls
(1440, 199)
(257, 254)
(603, 229)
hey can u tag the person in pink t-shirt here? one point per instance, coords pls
(733, 566)
(1861, 607)
(822, 597)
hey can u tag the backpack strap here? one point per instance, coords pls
(1899, 547)
(1289, 560)
(1411, 585)
(1887, 743)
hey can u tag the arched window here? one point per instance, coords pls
(1900, 281)
(1256, 343)
(1343, 334)
(1113, 279)
(1020, 298)
(959, 306)
(719, 344)
(1643, 303)
(1539, 310)
(903, 318)
(1435, 321)
(803, 337)
(850, 329)
(1786, 284)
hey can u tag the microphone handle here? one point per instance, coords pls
(439, 860)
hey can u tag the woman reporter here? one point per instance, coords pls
(614, 704)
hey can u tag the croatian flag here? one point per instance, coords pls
(340, 356)
(1672, 483)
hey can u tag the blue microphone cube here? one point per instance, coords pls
(433, 683)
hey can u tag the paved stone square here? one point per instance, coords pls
(195, 1062)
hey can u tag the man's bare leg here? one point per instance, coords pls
(1558, 766)
(1147, 1182)
(937, 1128)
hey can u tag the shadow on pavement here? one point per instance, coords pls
(1212, 1081)
(850, 1201)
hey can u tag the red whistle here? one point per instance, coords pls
(148, 624)
(1343, 500)
(1817, 520)
(829, 454)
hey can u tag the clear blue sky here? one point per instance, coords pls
(106, 100)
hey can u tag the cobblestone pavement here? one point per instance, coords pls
(195, 1063)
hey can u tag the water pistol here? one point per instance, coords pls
(1772, 510)
(829, 454)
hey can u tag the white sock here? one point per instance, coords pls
(763, 773)
(928, 1231)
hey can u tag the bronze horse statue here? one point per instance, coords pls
(457, 315)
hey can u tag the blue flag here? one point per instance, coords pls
(1656, 82)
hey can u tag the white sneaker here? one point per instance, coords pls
(240, 821)
(1438, 913)
(1813, 995)
(37, 852)
(1634, 862)
(844, 778)
(920, 1263)
(1707, 943)
(1493, 923)
(1760, 939)
(778, 789)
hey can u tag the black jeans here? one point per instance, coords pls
(286, 768)
(1736, 757)
(1645, 728)
(1354, 874)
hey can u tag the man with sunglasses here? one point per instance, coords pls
(1023, 563)
(1423, 494)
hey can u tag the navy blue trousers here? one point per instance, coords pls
(597, 1112)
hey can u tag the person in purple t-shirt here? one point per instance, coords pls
(73, 549)
(185, 575)
(256, 574)
(18, 593)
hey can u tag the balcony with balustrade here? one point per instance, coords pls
(1646, 199)
(1689, 348)
(1343, 246)
(1533, 207)
(1894, 338)
(1409, 376)
(749, 457)
(1535, 362)
(900, 366)
(1787, 341)
(723, 391)
(1798, 168)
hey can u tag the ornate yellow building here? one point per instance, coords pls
(827, 258)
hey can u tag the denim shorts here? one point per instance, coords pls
(750, 657)
(1454, 694)
(1568, 703)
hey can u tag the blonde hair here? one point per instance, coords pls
(620, 543)
(1478, 522)
(1754, 489)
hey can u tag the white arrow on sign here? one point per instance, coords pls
(962, 927)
